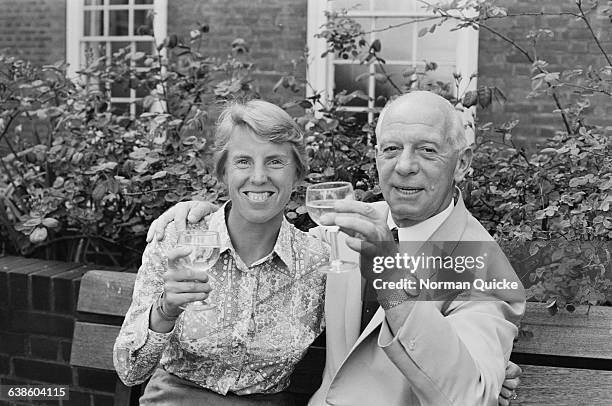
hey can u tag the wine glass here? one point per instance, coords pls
(205, 250)
(320, 199)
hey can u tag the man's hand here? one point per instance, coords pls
(512, 381)
(192, 211)
(361, 222)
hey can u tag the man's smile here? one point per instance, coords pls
(407, 190)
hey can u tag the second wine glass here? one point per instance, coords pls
(320, 199)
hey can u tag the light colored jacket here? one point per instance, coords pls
(456, 358)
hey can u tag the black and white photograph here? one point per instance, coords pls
(305, 202)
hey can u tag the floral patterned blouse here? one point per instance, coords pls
(266, 316)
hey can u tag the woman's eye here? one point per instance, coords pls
(276, 163)
(242, 163)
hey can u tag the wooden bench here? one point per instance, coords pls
(567, 361)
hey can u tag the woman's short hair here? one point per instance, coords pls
(267, 121)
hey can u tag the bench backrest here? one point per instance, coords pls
(566, 358)
(104, 298)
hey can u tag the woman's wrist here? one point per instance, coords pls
(164, 313)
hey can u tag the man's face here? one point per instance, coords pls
(259, 175)
(417, 167)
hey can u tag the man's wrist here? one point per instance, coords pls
(397, 290)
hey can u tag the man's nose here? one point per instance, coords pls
(259, 175)
(407, 163)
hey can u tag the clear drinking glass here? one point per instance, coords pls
(205, 249)
(320, 199)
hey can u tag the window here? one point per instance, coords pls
(402, 49)
(97, 28)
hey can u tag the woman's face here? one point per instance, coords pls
(260, 176)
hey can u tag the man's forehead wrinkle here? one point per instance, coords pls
(411, 112)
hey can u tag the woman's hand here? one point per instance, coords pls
(182, 283)
(192, 211)
(512, 381)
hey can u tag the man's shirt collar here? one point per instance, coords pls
(423, 230)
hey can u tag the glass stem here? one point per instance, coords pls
(334, 245)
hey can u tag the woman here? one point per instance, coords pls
(269, 297)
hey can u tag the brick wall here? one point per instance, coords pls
(37, 313)
(275, 31)
(500, 65)
(34, 29)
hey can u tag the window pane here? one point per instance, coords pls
(118, 48)
(351, 5)
(120, 88)
(444, 74)
(94, 2)
(384, 88)
(148, 49)
(346, 79)
(91, 51)
(440, 46)
(140, 20)
(118, 22)
(406, 6)
(119, 1)
(144, 2)
(120, 108)
(93, 23)
(396, 42)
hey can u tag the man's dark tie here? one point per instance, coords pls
(370, 304)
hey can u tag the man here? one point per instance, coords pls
(414, 352)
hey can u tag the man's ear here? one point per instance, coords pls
(464, 160)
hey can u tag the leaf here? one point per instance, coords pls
(376, 45)
(99, 191)
(38, 235)
(50, 222)
(136, 56)
(423, 31)
(159, 175)
(33, 222)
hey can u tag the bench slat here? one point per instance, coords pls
(106, 292)
(567, 334)
(92, 345)
(564, 387)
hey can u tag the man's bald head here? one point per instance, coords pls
(423, 107)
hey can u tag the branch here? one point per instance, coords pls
(588, 24)
(145, 192)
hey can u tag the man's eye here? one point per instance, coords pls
(429, 150)
(390, 150)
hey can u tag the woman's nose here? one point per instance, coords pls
(259, 175)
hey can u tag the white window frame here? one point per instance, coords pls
(75, 12)
(320, 71)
